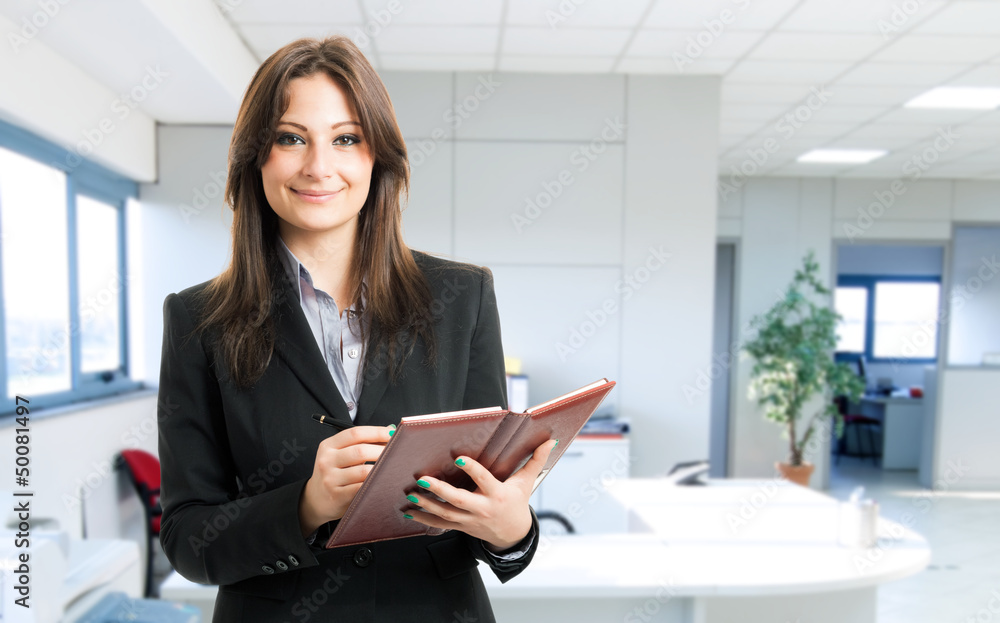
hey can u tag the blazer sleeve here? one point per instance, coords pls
(211, 531)
(486, 386)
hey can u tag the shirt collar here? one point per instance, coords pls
(296, 272)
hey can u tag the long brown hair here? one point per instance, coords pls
(242, 299)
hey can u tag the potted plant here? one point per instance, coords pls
(793, 361)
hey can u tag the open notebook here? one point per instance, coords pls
(427, 445)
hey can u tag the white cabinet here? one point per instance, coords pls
(577, 488)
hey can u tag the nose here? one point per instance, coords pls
(320, 162)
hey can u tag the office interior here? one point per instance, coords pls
(633, 174)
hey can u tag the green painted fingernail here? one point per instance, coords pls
(413, 499)
(408, 516)
(423, 483)
(557, 443)
(392, 432)
(460, 462)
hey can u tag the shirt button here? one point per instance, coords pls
(353, 353)
(281, 565)
(267, 569)
(350, 406)
(363, 557)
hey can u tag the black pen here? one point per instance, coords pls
(329, 421)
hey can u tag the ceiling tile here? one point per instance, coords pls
(785, 72)
(762, 93)
(845, 95)
(396, 39)
(270, 12)
(984, 76)
(901, 74)
(438, 62)
(857, 16)
(964, 18)
(816, 47)
(936, 117)
(916, 49)
(669, 66)
(431, 12)
(706, 14)
(265, 39)
(617, 14)
(564, 41)
(556, 64)
(686, 44)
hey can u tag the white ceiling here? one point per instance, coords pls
(871, 56)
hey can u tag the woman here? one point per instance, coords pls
(323, 309)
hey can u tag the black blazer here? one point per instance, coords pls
(234, 464)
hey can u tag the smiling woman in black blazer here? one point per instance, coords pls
(323, 309)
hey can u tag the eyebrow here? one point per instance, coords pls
(305, 129)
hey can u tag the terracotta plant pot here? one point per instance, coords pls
(799, 474)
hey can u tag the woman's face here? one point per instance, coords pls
(317, 176)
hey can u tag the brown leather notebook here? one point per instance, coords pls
(427, 445)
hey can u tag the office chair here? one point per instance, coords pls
(857, 423)
(144, 471)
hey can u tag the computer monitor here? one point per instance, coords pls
(861, 367)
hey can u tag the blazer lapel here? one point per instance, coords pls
(296, 345)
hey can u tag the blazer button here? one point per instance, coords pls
(267, 569)
(293, 560)
(281, 565)
(363, 557)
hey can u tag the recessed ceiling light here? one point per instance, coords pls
(973, 98)
(839, 156)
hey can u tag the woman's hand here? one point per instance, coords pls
(338, 473)
(496, 512)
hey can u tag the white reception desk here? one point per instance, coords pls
(735, 550)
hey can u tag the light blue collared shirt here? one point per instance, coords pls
(339, 340)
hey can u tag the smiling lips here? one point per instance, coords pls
(314, 196)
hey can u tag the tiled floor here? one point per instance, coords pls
(963, 529)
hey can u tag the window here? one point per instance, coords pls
(62, 275)
(887, 318)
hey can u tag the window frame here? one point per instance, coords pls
(83, 177)
(869, 282)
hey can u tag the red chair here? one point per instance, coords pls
(144, 471)
(857, 423)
